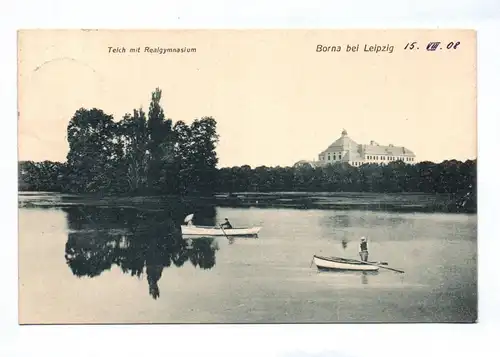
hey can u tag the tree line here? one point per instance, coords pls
(140, 154)
(455, 180)
(427, 177)
(147, 154)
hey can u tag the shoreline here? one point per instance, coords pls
(406, 202)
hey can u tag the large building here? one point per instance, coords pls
(344, 149)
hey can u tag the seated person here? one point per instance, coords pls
(226, 224)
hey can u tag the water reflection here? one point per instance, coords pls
(134, 240)
(365, 274)
(342, 220)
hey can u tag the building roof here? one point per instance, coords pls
(342, 143)
(352, 156)
(387, 150)
(345, 143)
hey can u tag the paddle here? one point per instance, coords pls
(381, 266)
(220, 225)
(230, 241)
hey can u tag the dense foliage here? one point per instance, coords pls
(147, 154)
(426, 177)
(137, 155)
(454, 179)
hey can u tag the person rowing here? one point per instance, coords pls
(226, 224)
(363, 249)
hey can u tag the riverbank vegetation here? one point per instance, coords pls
(149, 154)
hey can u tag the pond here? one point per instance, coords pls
(94, 261)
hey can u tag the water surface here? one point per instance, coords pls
(84, 262)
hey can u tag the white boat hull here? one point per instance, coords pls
(199, 231)
(341, 264)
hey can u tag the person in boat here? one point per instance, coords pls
(226, 224)
(363, 249)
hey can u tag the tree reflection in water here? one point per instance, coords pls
(134, 240)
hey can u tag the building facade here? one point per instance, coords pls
(346, 150)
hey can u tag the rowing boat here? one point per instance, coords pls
(204, 231)
(336, 263)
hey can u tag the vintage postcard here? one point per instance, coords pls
(247, 176)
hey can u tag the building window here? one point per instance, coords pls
(334, 157)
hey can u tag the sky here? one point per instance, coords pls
(276, 99)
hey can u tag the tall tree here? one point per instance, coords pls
(160, 145)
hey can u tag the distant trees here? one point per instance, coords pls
(452, 177)
(42, 176)
(148, 154)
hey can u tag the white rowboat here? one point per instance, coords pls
(335, 263)
(202, 231)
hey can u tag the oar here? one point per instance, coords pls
(381, 263)
(220, 225)
(396, 270)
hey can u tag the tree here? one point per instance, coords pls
(195, 158)
(134, 138)
(203, 158)
(182, 155)
(42, 176)
(94, 153)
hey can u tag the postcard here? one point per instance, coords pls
(247, 176)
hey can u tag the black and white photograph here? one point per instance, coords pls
(247, 176)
